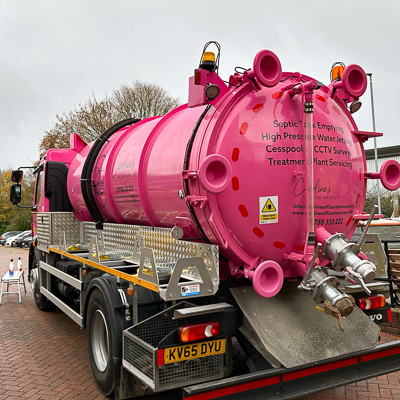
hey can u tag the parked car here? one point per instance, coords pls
(11, 239)
(26, 242)
(7, 235)
(20, 238)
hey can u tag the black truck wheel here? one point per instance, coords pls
(41, 302)
(101, 335)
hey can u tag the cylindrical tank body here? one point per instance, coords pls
(234, 173)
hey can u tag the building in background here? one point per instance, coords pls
(384, 153)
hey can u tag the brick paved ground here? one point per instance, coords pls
(43, 355)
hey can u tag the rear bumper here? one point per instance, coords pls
(283, 383)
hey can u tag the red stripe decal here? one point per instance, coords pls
(235, 154)
(258, 232)
(243, 128)
(243, 210)
(380, 354)
(258, 107)
(160, 357)
(277, 95)
(319, 369)
(235, 389)
(235, 183)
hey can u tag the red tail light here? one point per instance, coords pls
(197, 76)
(372, 302)
(191, 333)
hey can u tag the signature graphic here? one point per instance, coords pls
(299, 187)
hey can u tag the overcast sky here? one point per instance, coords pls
(55, 54)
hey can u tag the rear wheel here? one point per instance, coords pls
(101, 337)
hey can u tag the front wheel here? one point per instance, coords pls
(100, 335)
(41, 301)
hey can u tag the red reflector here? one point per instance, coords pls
(319, 369)
(191, 333)
(380, 354)
(389, 314)
(216, 394)
(160, 357)
(372, 302)
(197, 76)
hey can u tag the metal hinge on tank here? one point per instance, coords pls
(197, 201)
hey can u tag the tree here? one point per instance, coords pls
(387, 198)
(89, 120)
(11, 217)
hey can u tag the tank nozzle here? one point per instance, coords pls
(344, 254)
(344, 257)
(326, 289)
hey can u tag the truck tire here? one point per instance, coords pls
(41, 301)
(100, 337)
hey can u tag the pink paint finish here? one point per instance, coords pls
(389, 175)
(215, 173)
(238, 172)
(76, 143)
(267, 278)
(198, 84)
(266, 68)
(353, 82)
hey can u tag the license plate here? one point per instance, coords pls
(195, 350)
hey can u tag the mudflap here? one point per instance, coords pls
(289, 331)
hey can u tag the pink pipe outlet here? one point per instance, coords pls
(266, 68)
(267, 278)
(354, 81)
(389, 175)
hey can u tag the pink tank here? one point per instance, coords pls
(235, 169)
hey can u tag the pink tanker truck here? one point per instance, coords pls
(208, 250)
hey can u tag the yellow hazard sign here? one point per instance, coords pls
(268, 209)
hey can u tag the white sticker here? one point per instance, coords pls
(268, 209)
(190, 290)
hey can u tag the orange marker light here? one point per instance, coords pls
(337, 72)
(209, 56)
(129, 291)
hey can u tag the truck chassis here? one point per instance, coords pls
(132, 287)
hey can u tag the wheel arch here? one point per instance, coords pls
(32, 249)
(107, 285)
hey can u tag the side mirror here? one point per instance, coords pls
(15, 193)
(16, 175)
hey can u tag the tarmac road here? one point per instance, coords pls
(43, 355)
